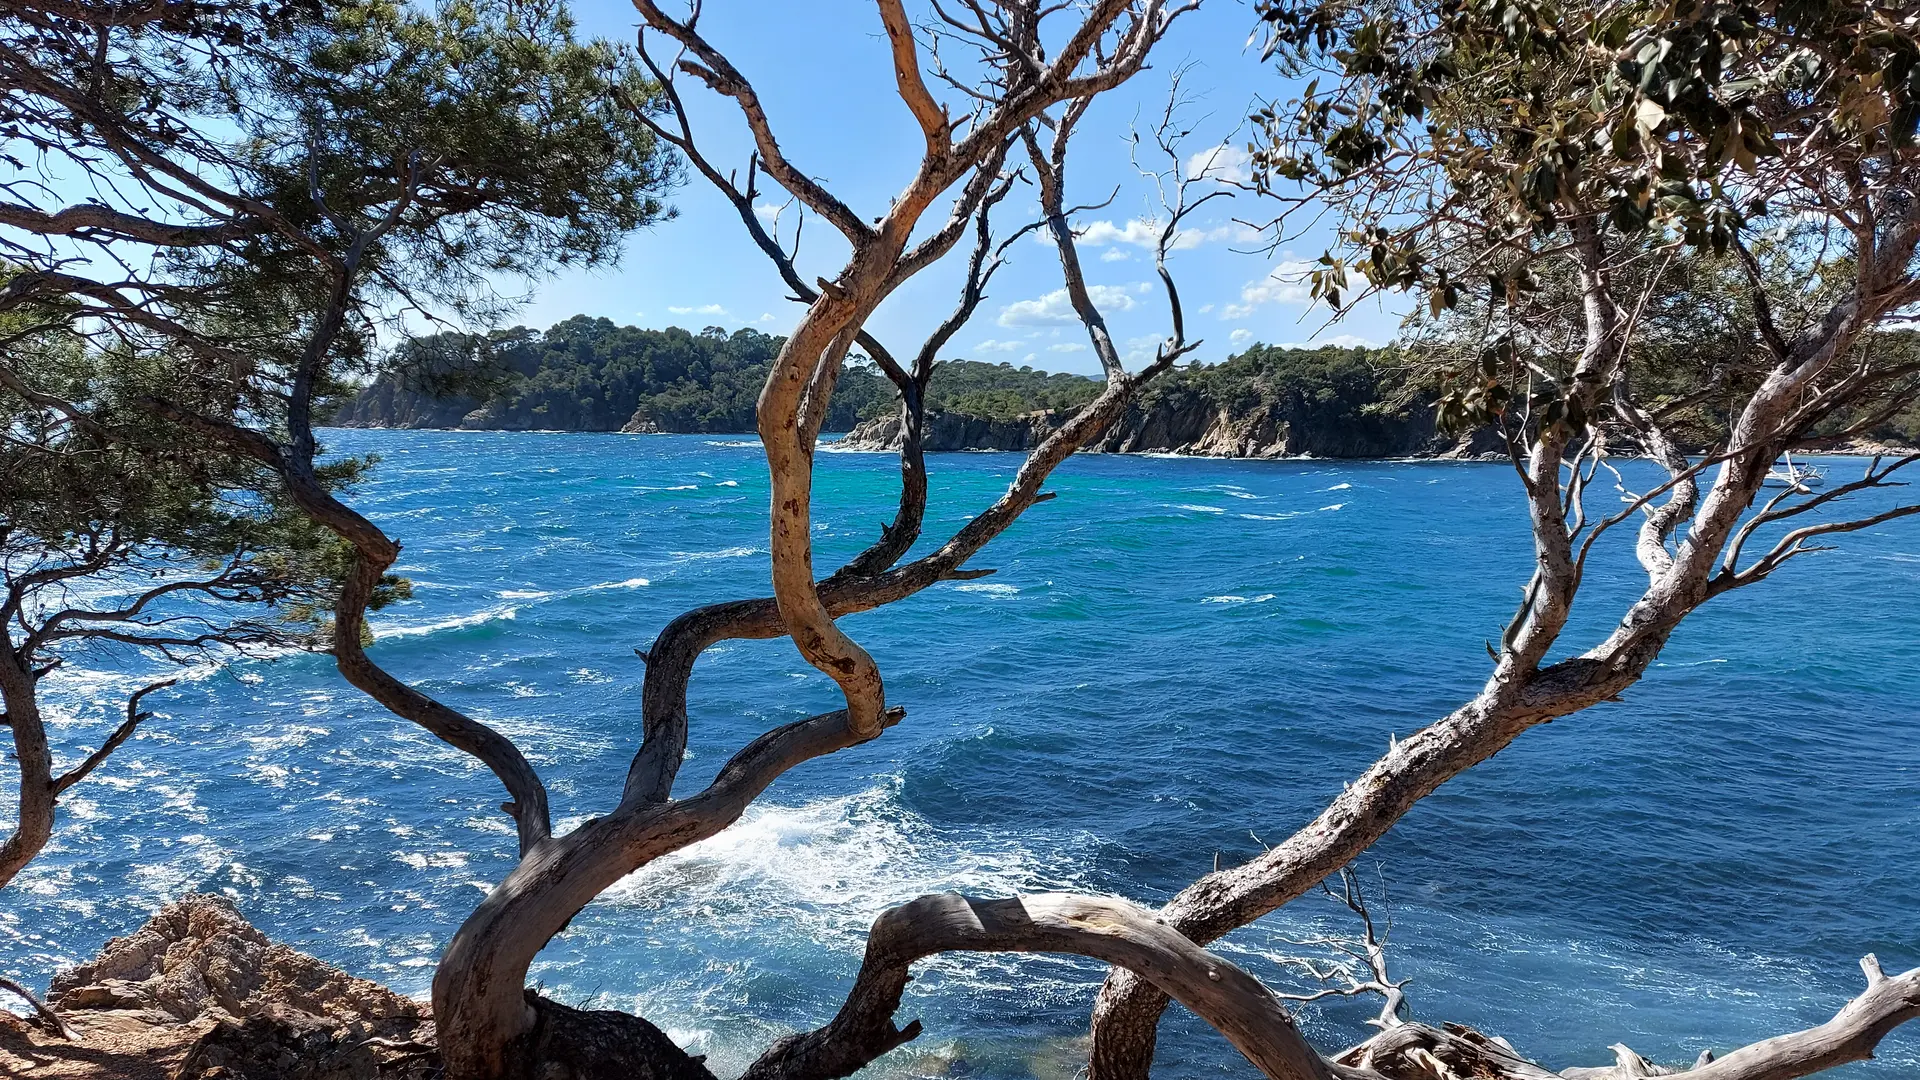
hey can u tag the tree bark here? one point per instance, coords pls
(1115, 931)
(34, 824)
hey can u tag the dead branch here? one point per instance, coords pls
(1235, 1003)
(120, 735)
(45, 1014)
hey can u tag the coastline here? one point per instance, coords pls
(837, 445)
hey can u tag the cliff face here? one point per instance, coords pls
(1293, 425)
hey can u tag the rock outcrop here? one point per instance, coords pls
(1292, 426)
(199, 994)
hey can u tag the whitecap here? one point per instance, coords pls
(478, 618)
(1335, 506)
(723, 553)
(436, 860)
(523, 594)
(728, 483)
(1199, 509)
(991, 588)
(1231, 599)
(630, 583)
(821, 870)
(1339, 487)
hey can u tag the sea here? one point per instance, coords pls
(1174, 663)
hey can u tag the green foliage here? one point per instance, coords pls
(1002, 391)
(132, 503)
(588, 374)
(1460, 139)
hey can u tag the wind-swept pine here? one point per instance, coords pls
(235, 198)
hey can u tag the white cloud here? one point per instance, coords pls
(1029, 358)
(1056, 308)
(1338, 341)
(1067, 346)
(1138, 232)
(1239, 338)
(704, 309)
(1115, 255)
(991, 345)
(1141, 349)
(1205, 308)
(1144, 233)
(1226, 163)
(1286, 284)
(767, 211)
(765, 318)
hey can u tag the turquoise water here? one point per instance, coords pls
(1176, 660)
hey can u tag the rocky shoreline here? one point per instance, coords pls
(199, 994)
(1258, 431)
(1263, 433)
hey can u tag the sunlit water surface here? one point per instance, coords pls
(1176, 661)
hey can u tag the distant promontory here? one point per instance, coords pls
(588, 374)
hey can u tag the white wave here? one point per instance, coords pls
(1339, 487)
(1231, 599)
(732, 443)
(1199, 509)
(438, 860)
(823, 870)
(728, 483)
(1335, 506)
(523, 594)
(382, 630)
(630, 583)
(1276, 517)
(723, 553)
(680, 487)
(991, 588)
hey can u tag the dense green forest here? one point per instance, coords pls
(589, 374)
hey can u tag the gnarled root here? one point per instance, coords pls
(580, 1044)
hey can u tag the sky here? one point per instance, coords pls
(824, 71)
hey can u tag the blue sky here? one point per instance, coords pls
(823, 69)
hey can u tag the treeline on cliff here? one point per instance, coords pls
(589, 374)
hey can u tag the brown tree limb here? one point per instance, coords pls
(120, 735)
(41, 1009)
(1115, 931)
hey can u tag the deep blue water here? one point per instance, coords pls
(1176, 659)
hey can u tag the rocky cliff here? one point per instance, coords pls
(1288, 426)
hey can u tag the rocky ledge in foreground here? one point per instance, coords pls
(199, 994)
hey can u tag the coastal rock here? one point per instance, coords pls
(199, 956)
(1291, 425)
(956, 431)
(199, 994)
